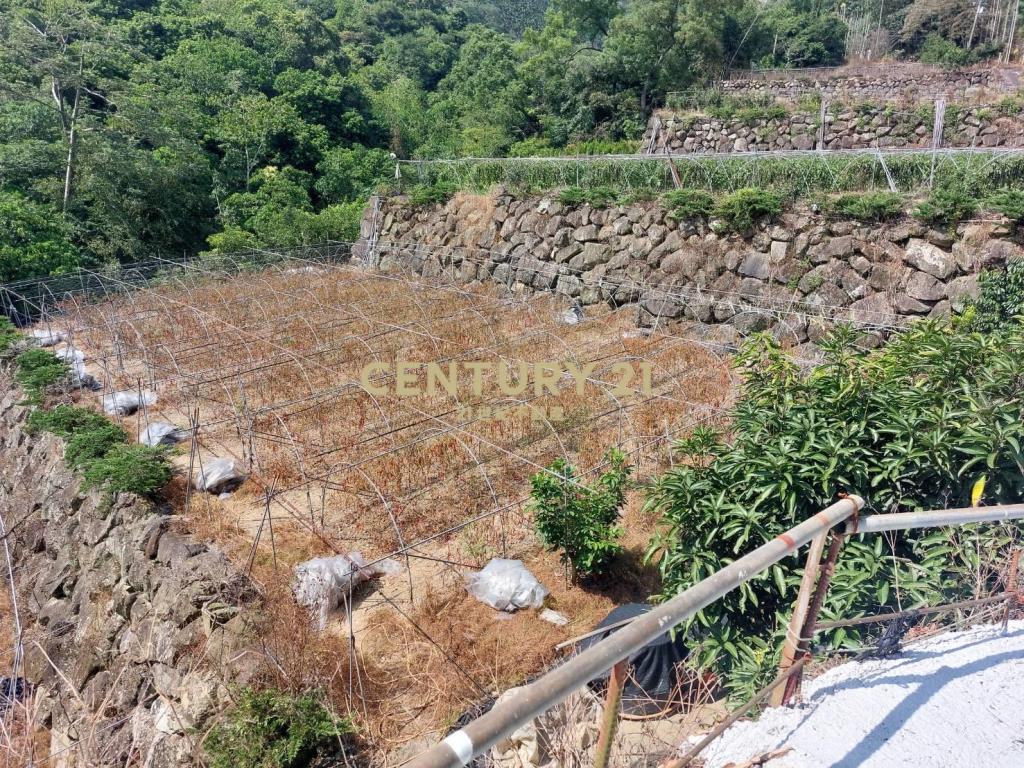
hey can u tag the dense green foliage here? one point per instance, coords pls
(912, 426)
(867, 206)
(1001, 300)
(100, 450)
(579, 519)
(272, 729)
(36, 369)
(162, 128)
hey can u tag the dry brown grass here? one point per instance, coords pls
(272, 361)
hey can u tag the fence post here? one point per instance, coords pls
(796, 621)
(1011, 586)
(807, 631)
(610, 720)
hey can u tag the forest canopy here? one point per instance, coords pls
(166, 127)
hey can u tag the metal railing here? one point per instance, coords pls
(478, 736)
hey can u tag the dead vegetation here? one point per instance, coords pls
(272, 363)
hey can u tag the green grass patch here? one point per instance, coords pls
(596, 197)
(89, 445)
(431, 194)
(37, 369)
(65, 420)
(948, 205)
(100, 450)
(688, 203)
(129, 469)
(1009, 202)
(9, 335)
(272, 729)
(867, 206)
(745, 207)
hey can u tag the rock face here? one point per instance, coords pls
(794, 277)
(128, 625)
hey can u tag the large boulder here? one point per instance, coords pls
(929, 258)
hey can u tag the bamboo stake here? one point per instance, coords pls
(610, 720)
(803, 600)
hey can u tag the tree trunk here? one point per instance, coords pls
(69, 166)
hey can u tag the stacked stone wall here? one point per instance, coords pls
(795, 277)
(883, 82)
(131, 629)
(845, 127)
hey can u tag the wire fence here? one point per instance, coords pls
(794, 173)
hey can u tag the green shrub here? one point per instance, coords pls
(580, 520)
(1009, 202)
(1001, 300)
(38, 369)
(87, 445)
(947, 205)
(867, 206)
(912, 426)
(8, 335)
(937, 49)
(271, 729)
(745, 207)
(128, 469)
(431, 194)
(99, 449)
(1010, 106)
(688, 203)
(66, 420)
(596, 197)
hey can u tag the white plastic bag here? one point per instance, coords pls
(572, 316)
(46, 338)
(159, 433)
(81, 379)
(127, 402)
(506, 585)
(70, 355)
(324, 583)
(218, 476)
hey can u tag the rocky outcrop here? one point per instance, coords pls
(886, 81)
(861, 127)
(130, 627)
(794, 277)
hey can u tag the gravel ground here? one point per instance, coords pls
(956, 699)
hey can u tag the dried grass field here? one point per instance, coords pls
(266, 368)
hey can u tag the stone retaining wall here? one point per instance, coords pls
(888, 81)
(129, 626)
(844, 128)
(795, 277)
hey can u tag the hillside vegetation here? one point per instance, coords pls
(168, 127)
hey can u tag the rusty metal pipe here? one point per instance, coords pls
(937, 518)
(478, 736)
